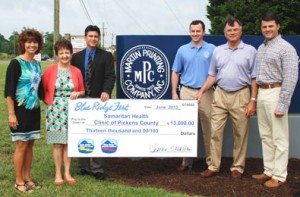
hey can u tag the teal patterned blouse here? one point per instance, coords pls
(28, 84)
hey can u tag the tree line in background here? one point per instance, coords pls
(9, 48)
(247, 11)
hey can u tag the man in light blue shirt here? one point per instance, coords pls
(232, 69)
(191, 66)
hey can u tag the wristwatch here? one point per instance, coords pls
(253, 99)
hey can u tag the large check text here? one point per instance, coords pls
(132, 128)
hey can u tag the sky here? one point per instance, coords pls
(114, 17)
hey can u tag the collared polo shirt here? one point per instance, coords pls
(233, 68)
(193, 63)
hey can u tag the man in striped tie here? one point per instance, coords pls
(98, 71)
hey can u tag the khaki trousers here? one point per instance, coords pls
(204, 117)
(274, 134)
(233, 104)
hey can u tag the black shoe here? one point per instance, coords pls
(182, 168)
(83, 172)
(99, 176)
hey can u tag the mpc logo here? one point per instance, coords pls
(144, 73)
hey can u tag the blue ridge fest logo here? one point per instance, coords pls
(144, 73)
(109, 146)
(86, 146)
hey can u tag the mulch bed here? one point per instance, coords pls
(162, 173)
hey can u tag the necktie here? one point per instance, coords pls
(89, 75)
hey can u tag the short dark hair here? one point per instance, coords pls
(63, 44)
(29, 35)
(92, 28)
(231, 20)
(196, 22)
(269, 16)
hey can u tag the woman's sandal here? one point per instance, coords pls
(23, 188)
(71, 181)
(59, 182)
(32, 185)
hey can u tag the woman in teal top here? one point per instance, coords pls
(22, 92)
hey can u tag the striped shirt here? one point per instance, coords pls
(277, 62)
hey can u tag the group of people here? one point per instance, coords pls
(232, 79)
(89, 73)
(245, 81)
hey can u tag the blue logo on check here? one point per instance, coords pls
(109, 146)
(86, 146)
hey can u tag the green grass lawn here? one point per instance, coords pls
(43, 167)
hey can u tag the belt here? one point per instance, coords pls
(191, 87)
(234, 90)
(268, 86)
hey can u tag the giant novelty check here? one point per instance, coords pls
(132, 128)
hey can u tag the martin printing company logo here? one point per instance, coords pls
(144, 73)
